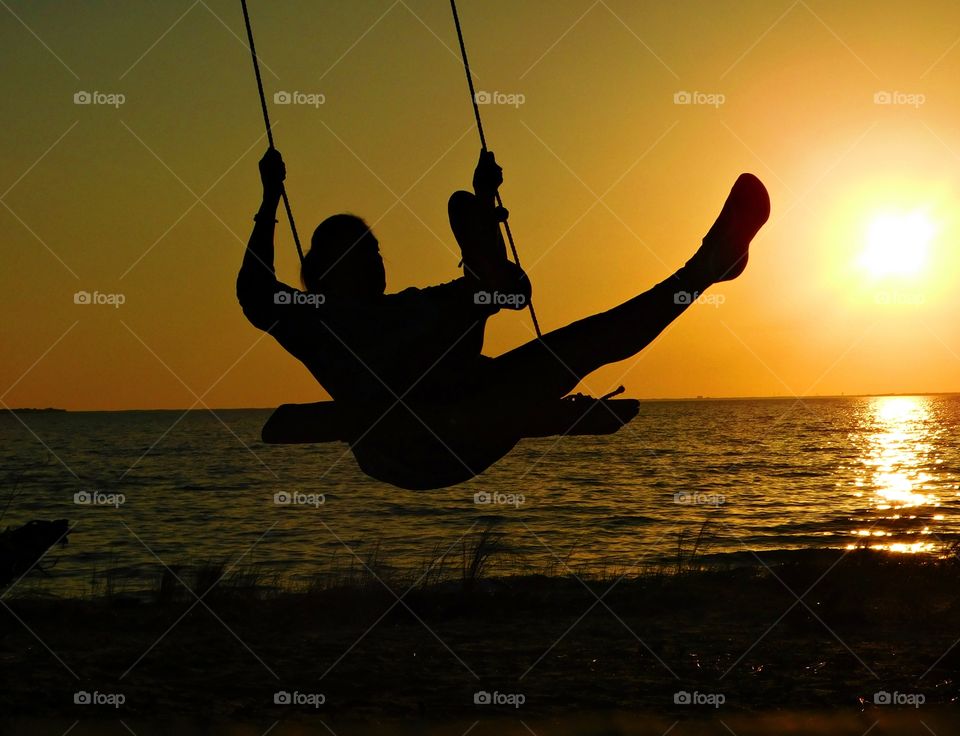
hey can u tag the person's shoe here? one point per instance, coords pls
(726, 248)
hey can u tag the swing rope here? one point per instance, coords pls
(483, 144)
(266, 122)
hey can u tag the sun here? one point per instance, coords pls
(897, 243)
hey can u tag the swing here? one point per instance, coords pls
(435, 445)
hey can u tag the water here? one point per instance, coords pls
(881, 472)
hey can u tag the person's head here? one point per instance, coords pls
(344, 260)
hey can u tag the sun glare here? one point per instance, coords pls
(898, 244)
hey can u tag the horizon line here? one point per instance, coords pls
(772, 397)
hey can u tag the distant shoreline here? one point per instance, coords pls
(647, 400)
(33, 410)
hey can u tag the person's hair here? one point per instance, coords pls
(344, 259)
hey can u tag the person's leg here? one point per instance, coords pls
(550, 367)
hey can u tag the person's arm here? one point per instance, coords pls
(476, 220)
(257, 285)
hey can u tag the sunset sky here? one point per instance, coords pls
(848, 111)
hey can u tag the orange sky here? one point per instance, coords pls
(610, 184)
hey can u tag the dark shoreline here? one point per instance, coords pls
(822, 722)
(870, 622)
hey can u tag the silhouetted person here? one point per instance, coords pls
(423, 346)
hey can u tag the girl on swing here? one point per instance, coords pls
(421, 348)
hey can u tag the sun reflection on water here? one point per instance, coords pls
(894, 481)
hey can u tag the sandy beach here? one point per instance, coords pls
(734, 642)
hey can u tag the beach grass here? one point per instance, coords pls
(814, 630)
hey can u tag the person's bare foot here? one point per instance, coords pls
(726, 248)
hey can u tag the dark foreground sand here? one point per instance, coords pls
(875, 624)
(889, 723)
